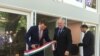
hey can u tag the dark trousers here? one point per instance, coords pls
(58, 53)
(21, 52)
(87, 55)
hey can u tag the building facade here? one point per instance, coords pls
(74, 12)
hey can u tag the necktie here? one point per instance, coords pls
(40, 34)
(59, 32)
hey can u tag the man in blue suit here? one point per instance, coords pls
(36, 35)
(63, 39)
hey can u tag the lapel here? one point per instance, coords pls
(62, 31)
(85, 37)
(57, 30)
(37, 32)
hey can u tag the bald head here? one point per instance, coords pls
(60, 23)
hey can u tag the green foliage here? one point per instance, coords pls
(12, 21)
(22, 22)
(4, 14)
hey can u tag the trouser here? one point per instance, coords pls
(21, 52)
(58, 53)
(87, 55)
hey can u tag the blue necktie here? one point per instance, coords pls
(59, 32)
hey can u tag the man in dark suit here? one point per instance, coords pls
(35, 36)
(63, 39)
(88, 41)
(19, 42)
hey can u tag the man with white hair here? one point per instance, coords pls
(63, 39)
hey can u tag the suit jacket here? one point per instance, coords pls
(32, 36)
(88, 43)
(19, 41)
(64, 41)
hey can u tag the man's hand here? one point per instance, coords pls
(54, 41)
(66, 53)
(33, 46)
(53, 45)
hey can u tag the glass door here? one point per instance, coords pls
(12, 32)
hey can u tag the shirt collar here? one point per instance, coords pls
(87, 30)
(39, 28)
(61, 28)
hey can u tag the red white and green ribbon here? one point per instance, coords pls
(33, 51)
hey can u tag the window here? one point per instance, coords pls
(74, 2)
(79, 0)
(91, 3)
(12, 32)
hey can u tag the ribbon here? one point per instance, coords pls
(33, 51)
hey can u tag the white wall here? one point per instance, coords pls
(56, 8)
(98, 5)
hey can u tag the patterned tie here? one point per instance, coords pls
(40, 34)
(59, 32)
